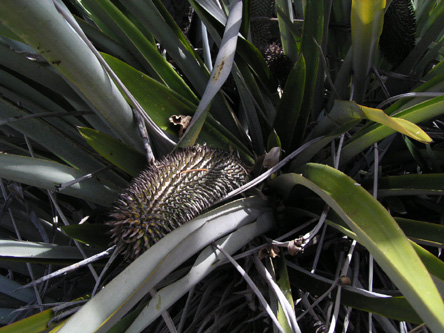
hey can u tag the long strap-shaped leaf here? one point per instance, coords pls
(48, 174)
(367, 18)
(221, 70)
(378, 232)
(208, 261)
(416, 114)
(131, 36)
(345, 114)
(312, 35)
(40, 25)
(33, 251)
(130, 286)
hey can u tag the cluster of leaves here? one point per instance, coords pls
(303, 109)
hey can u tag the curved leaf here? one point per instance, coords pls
(40, 252)
(161, 103)
(413, 184)
(214, 19)
(345, 114)
(58, 43)
(398, 124)
(290, 105)
(416, 114)
(222, 68)
(151, 15)
(48, 175)
(32, 324)
(118, 153)
(91, 234)
(207, 261)
(109, 306)
(135, 40)
(367, 18)
(434, 265)
(378, 232)
(420, 230)
(312, 35)
(392, 307)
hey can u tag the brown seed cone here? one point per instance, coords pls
(166, 195)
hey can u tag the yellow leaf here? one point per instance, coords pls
(400, 125)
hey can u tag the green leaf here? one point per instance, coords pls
(215, 19)
(367, 18)
(420, 230)
(207, 261)
(91, 234)
(289, 107)
(391, 307)
(161, 103)
(375, 229)
(434, 265)
(312, 35)
(118, 153)
(417, 155)
(37, 71)
(249, 107)
(284, 284)
(159, 22)
(345, 114)
(154, 16)
(32, 324)
(413, 184)
(9, 287)
(398, 124)
(108, 44)
(61, 46)
(33, 100)
(156, 99)
(129, 34)
(151, 267)
(307, 155)
(40, 252)
(416, 114)
(51, 138)
(48, 175)
(123, 324)
(5, 32)
(285, 18)
(412, 229)
(222, 68)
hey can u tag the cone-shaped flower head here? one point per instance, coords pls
(173, 191)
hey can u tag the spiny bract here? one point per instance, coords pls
(173, 191)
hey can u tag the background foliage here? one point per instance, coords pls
(341, 226)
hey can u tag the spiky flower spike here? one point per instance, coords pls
(166, 195)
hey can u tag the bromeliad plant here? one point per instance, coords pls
(339, 226)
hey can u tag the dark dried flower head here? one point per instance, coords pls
(280, 65)
(398, 35)
(166, 195)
